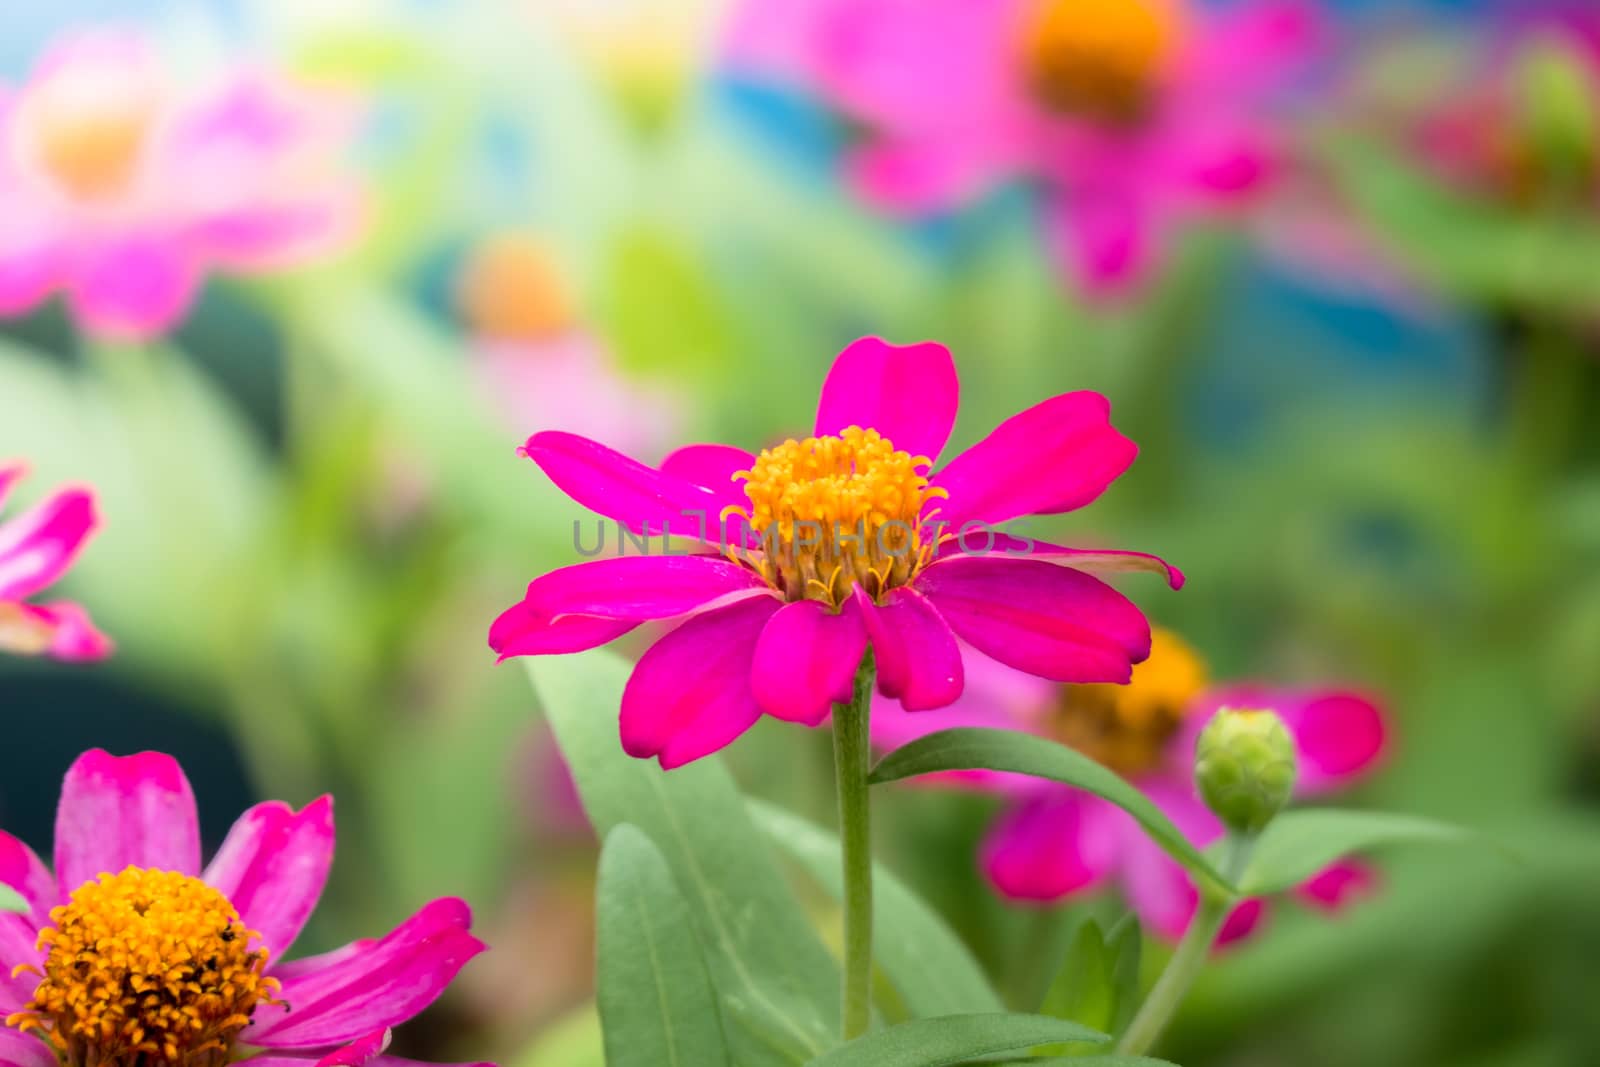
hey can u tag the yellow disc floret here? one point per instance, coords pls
(837, 511)
(1098, 59)
(1127, 727)
(143, 968)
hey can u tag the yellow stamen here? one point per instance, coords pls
(1098, 59)
(836, 511)
(144, 968)
(1127, 727)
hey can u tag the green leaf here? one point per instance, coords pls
(1125, 943)
(934, 972)
(656, 1002)
(778, 984)
(955, 1039)
(1298, 844)
(1094, 1061)
(11, 900)
(1082, 991)
(980, 748)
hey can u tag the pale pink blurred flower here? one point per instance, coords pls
(122, 188)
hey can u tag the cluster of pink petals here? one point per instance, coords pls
(1053, 841)
(739, 650)
(117, 812)
(238, 175)
(36, 549)
(947, 115)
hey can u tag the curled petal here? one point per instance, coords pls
(641, 587)
(121, 811)
(918, 660)
(272, 867)
(982, 541)
(908, 393)
(524, 629)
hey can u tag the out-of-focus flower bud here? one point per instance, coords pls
(1245, 767)
(1558, 93)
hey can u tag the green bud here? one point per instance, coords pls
(1244, 764)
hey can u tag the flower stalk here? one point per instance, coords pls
(851, 757)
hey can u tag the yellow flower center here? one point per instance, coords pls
(144, 968)
(1128, 727)
(87, 128)
(835, 511)
(1098, 59)
(512, 289)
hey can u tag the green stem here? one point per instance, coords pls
(851, 763)
(1189, 959)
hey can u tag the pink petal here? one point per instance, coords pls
(1038, 617)
(690, 694)
(272, 867)
(10, 475)
(908, 393)
(711, 466)
(37, 547)
(1056, 456)
(918, 660)
(978, 539)
(523, 629)
(134, 288)
(73, 637)
(1103, 237)
(641, 587)
(806, 660)
(608, 483)
(30, 270)
(361, 1051)
(920, 176)
(122, 811)
(19, 940)
(1158, 888)
(1052, 845)
(1338, 885)
(18, 1049)
(347, 994)
(1255, 47)
(24, 871)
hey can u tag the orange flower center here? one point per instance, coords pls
(88, 128)
(145, 968)
(837, 510)
(511, 289)
(1128, 727)
(1098, 59)
(22, 633)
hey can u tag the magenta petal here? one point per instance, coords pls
(908, 393)
(1336, 886)
(1157, 886)
(918, 660)
(711, 466)
(272, 868)
(525, 630)
(360, 1051)
(24, 871)
(18, 1049)
(1056, 456)
(19, 941)
(30, 269)
(134, 288)
(122, 811)
(980, 540)
(1052, 845)
(690, 694)
(1039, 617)
(72, 636)
(608, 483)
(347, 994)
(1103, 237)
(641, 587)
(37, 547)
(806, 660)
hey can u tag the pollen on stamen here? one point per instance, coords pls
(838, 511)
(145, 967)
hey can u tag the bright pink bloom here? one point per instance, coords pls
(1054, 841)
(36, 549)
(1128, 114)
(829, 544)
(128, 885)
(121, 189)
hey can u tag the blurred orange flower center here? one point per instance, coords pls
(1128, 727)
(511, 289)
(835, 511)
(21, 633)
(89, 137)
(1098, 59)
(145, 967)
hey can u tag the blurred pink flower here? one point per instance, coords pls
(36, 549)
(122, 189)
(130, 908)
(1128, 114)
(1054, 841)
(827, 545)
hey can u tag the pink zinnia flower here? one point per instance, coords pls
(36, 549)
(845, 539)
(1129, 114)
(130, 911)
(122, 189)
(1054, 841)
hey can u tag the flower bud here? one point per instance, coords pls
(1245, 767)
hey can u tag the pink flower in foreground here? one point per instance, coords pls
(36, 549)
(1054, 841)
(842, 540)
(1128, 114)
(131, 954)
(121, 189)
